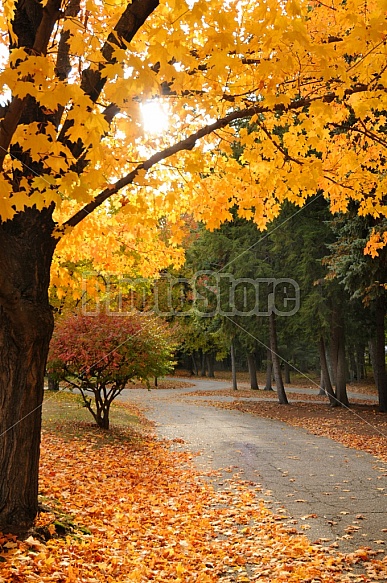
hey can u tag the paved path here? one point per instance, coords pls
(328, 491)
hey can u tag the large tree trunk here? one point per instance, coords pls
(380, 356)
(282, 399)
(26, 325)
(252, 371)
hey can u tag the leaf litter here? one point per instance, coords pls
(140, 512)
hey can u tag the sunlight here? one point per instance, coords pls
(154, 117)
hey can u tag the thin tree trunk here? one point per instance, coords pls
(334, 343)
(286, 372)
(282, 399)
(26, 325)
(326, 379)
(194, 365)
(341, 370)
(252, 371)
(373, 357)
(322, 385)
(210, 365)
(380, 357)
(53, 384)
(204, 367)
(269, 371)
(352, 364)
(233, 368)
(360, 362)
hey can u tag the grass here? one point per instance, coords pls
(66, 411)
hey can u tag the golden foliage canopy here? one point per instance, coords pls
(300, 85)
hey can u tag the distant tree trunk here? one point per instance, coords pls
(269, 371)
(233, 368)
(322, 385)
(334, 343)
(204, 364)
(282, 399)
(360, 362)
(352, 364)
(372, 345)
(53, 384)
(286, 372)
(210, 365)
(194, 365)
(326, 379)
(252, 371)
(341, 369)
(380, 356)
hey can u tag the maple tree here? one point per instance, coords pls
(100, 354)
(73, 153)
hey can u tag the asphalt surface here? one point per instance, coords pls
(331, 493)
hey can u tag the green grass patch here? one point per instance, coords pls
(66, 412)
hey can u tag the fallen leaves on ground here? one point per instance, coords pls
(300, 381)
(141, 513)
(270, 395)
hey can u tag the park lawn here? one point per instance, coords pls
(122, 506)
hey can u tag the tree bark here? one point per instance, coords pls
(334, 343)
(194, 365)
(322, 386)
(26, 325)
(210, 365)
(53, 384)
(360, 362)
(282, 399)
(252, 371)
(380, 355)
(204, 364)
(269, 370)
(372, 345)
(341, 369)
(353, 372)
(233, 367)
(286, 372)
(326, 379)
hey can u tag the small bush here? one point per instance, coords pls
(101, 354)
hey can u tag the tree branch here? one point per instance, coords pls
(190, 142)
(92, 81)
(126, 28)
(63, 65)
(8, 125)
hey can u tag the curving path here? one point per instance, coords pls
(328, 491)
